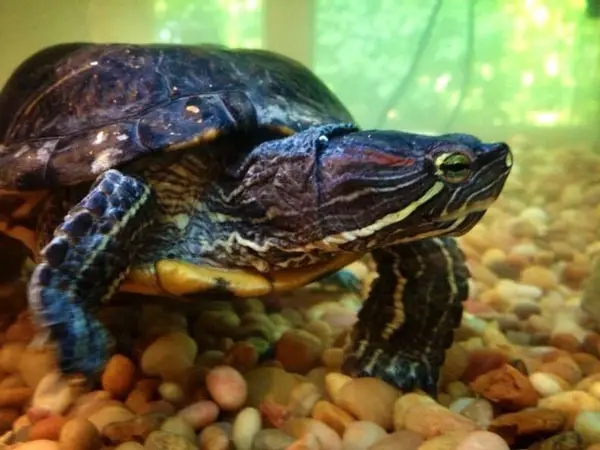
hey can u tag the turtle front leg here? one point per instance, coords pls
(84, 264)
(408, 320)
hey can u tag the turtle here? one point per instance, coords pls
(184, 170)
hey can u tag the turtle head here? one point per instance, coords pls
(335, 187)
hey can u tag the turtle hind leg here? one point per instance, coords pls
(84, 263)
(408, 321)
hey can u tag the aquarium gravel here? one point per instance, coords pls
(523, 372)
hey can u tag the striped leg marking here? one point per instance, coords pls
(84, 264)
(408, 321)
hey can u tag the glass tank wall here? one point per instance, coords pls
(526, 72)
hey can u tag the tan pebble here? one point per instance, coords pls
(271, 439)
(271, 383)
(527, 423)
(130, 446)
(403, 405)
(332, 415)
(588, 364)
(482, 440)
(213, 437)
(456, 362)
(12, 381)
(369, 399)
(10, 356)
(163, 440)
(169, 355)
(53, 393)
(200, 414)
(480, 411)
(15, 397)
(334, 382)
(547, 384)
(307, 442)
(563, 367)
(507, 387)
(134, 429)
(35, 363)
(48, 428)
(430, 420)
(246, 424)
(539, 276)
(361, 435)
(325, 436)
(303, 398)
(587, 382)
(227, 387)
(143, 392)
(242, 356)
(404, 440)
(171, 392)
(118, 376)
(571, 403)
(79, 434)
(566, 342)
(177, 425)
(587, 423)
(447, 441)
(159, 407)
(458, 389)
(10, 416)
(298, 350)
(321, 330)
(333, 358)
(40, 444)
(110, 414)
(89, 403)
(594, 390)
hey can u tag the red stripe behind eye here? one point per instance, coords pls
(383, 159)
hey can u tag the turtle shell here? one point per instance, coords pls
(72, 111)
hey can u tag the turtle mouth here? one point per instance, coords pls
(465, 211)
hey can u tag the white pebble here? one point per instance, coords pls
(53, 393)
(545, 384)
(245, 426)
(361, 435)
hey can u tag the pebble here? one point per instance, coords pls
(130, 446)
(269, 439)
(332, 415)
(587, 424)
(79, 434)
(298, 350)
(177, 425)
(227, 387)
(213, 437)
(403, 439)
(40, 444)
(169, 355)
(48, 428)
(432, 419)
(110, 414)
(118, 376)
(303, 399)
(272, 382)
(547, 384)
(527, 423)
(246, 425)
(482, 440)
(162, 440)
(171, 392)
(449, 440)
(369, 399)
(324, 435)
(507, 387)
(361, 435)
(200, 414)
(53, 393)
(571, 404)
(137, 428)
(35, 364)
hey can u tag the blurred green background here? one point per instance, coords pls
(492, 67)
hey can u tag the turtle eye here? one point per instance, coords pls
(454, 167)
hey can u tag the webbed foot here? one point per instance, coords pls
(408, 320)
(84, 264)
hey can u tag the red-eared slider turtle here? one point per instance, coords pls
(175, 170)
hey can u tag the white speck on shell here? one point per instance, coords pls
(193, 109)
(105, 160)
(100, 138)
(122, 137)
(43, 154)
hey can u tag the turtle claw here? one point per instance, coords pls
(405, 371)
